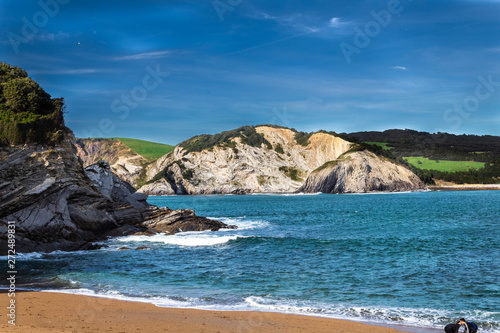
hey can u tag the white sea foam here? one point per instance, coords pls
(385, 192)
(163, 301)
(423, 318)
(183, 239)
(285, 194)
(242, 223)
(24, 256)
(300, 194)
(427, 320)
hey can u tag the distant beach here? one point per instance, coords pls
(466, 187)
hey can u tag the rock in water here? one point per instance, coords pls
(56, 205)
(361, 172)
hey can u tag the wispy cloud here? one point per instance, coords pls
(401, 68)
(144, 55)
(49, 36)
(296, 21)
(336, 22)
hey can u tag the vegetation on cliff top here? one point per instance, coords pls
(27, 113)
(151, 151)
(247, 134)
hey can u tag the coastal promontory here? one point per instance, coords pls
(54, 203)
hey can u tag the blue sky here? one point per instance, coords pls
(167, 70)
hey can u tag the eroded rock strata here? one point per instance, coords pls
(361, 172)
(57, 205)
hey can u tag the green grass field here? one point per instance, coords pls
(151, 151)
(450, 166)
(381, 144)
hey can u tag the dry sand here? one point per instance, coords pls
(466, 187)
(56, 312)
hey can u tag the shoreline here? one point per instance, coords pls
(430, 188)
(38, 311)
(466, 187)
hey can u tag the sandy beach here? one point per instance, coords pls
(466, 187)
(56, 312)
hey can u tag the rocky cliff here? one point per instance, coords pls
(261, 159)
(124, 162)
(361, 172)
(56, 206)
(278, 165)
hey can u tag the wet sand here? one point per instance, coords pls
(56, 312)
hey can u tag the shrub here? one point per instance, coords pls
(27, 113)
(188, 174)
(247, 134)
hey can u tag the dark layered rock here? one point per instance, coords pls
(182, 220)
(55, 205)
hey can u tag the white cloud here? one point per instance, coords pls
(399, 67)
(145, 55)
(335, 22)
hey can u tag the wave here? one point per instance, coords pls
(189, 239)
(113, 294)
(285, 194)
(300, 194)
(386, 192)
(242, 223)
(427, 320)
(25, 256)
(415, 317)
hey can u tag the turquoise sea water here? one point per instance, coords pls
(420, 259)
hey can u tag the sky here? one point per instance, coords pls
(165, 70)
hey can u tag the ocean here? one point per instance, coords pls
(421, 259)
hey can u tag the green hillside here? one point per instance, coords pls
(381, 144)
(441, 165)
(471, 159)
(151, 151)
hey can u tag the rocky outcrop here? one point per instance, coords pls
(56, 206)
(241, 168)
(181, 220)
(159, 187)
(112, 187)
(361, 172)
(124, 162)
